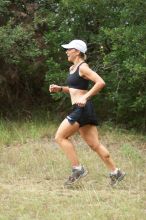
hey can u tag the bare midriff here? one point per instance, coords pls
(75, 94)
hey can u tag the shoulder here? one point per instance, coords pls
(84, 65)
(84, 68)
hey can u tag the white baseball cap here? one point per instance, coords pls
(76, 44)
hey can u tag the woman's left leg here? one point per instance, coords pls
(64, 131)
(90, 134)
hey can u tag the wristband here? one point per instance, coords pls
(61, 89)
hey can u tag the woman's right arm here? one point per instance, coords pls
(55, 88)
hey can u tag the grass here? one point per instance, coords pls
(33, 170)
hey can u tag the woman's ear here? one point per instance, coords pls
(78, 52)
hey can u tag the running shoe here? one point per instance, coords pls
(75, 176)
(115, 178)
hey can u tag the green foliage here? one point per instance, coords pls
(31, 34)
(125, 62)
(3, 6)
(17, 44)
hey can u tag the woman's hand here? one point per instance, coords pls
(81, 102)
(54, 88)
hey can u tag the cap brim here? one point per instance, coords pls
(66, 46)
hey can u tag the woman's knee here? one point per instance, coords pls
(106, 155)
(58, 138)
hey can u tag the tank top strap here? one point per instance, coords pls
(80, 65)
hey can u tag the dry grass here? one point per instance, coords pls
(33, 170)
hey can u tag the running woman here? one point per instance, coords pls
(83, 117)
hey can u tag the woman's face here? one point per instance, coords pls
(72, 54)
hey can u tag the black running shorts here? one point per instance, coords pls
(83, 115)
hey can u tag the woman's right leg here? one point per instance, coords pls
(64, 131)
(90, 134)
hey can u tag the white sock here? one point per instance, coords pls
(77, 167)
(115, 171)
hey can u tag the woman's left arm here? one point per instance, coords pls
(89, 74)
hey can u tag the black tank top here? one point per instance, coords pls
(75, 81)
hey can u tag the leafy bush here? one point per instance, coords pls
(31, 57)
